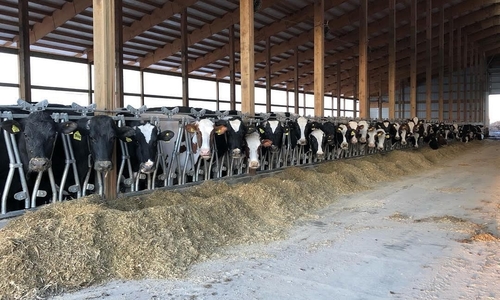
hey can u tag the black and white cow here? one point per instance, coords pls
(317, 140)
(36, 137)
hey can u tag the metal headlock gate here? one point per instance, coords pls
(178, 169)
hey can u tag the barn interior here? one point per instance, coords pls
(396, 59)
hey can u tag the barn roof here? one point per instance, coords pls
(152, 34)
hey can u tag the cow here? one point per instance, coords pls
(272, 130)
(376, 138)
(316, 141)
(342, 136)
(36, 137)
(253, 144)
(229, 135)
(142, 148)
(362, 131)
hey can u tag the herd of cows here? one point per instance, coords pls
(55, 152)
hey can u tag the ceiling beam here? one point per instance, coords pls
(197, 35)
(57, 19)
(381, 40)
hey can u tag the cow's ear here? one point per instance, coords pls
(125, 132)
(83, 126)
(12, 126)
(220, 129)
(191, 128)
(166, 135)
(67, 127)
(266, 143)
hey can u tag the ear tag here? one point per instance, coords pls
(77, 136)
(128, 140)
(353, 133)
(286, 133)
(261, 130)
(387, 136)
(218, 131)
(15, 129)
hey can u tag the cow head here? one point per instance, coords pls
(302, 124)
(363, 130)
(144, 145)
(203, 130)
(316, 138)
(37, 134)
(101, 132)
(273, 131)
(235, 131)
(254, 142)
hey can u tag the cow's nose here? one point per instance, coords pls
(254, 164)
(302, 142)
(147, 167)
(320, 155)
(102, 166)
(236, 153)
(371, 145)
(39, 164)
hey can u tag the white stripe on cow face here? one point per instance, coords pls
(235, 124)
(381, 139)
(302, 122)
(363, 130)
(397, 126)
(343, 128)
(273, 124)
(147, 131)
(253, 143)
(319, 134)
(371, 137)
(403, 136)
(205, 128)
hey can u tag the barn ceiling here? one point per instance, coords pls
(152, 35)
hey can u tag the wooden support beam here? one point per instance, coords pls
(268, 74)
(90, 92)
(428, 77)
(466, 100)
(141, 74)
(413, 59)
(441, 65)
(24, 52)
(58, 18)
(184, 58)
(104, 64)
(232, 71)
(296, 81)
(319, 58)
(392, 58)
(364, 101)
(247, 56)
(339, 88)
(459, 72)
(450, 66)
(119, 95)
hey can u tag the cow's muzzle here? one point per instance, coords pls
(103, 165)
(39, 164)
(147, 167)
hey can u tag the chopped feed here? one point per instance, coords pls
(70, 245)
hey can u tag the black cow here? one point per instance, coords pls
(36, 137)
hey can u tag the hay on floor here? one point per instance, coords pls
(71, 245)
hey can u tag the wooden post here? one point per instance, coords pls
(296, 81)
(217, 95)
(184, 58)
(441, 64)
(90, 92)
(413, 59)
(268, 74)
(141, 74)
(339, 86)
(232, 69)
(104, 64)
(319, 58)
(450, 66)
(119, 98)
(465, 45)
(24, 52)
(364, 104)
(428, 73)
(392, 59)
(247, 56)
(459, 71)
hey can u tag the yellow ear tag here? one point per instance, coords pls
(77, 136)
(15, 129)
(128, 140)
(286, 133)
(353, 133)
(261, 130)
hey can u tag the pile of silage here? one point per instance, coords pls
(74, 244)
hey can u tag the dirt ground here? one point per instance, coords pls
(427, 236)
